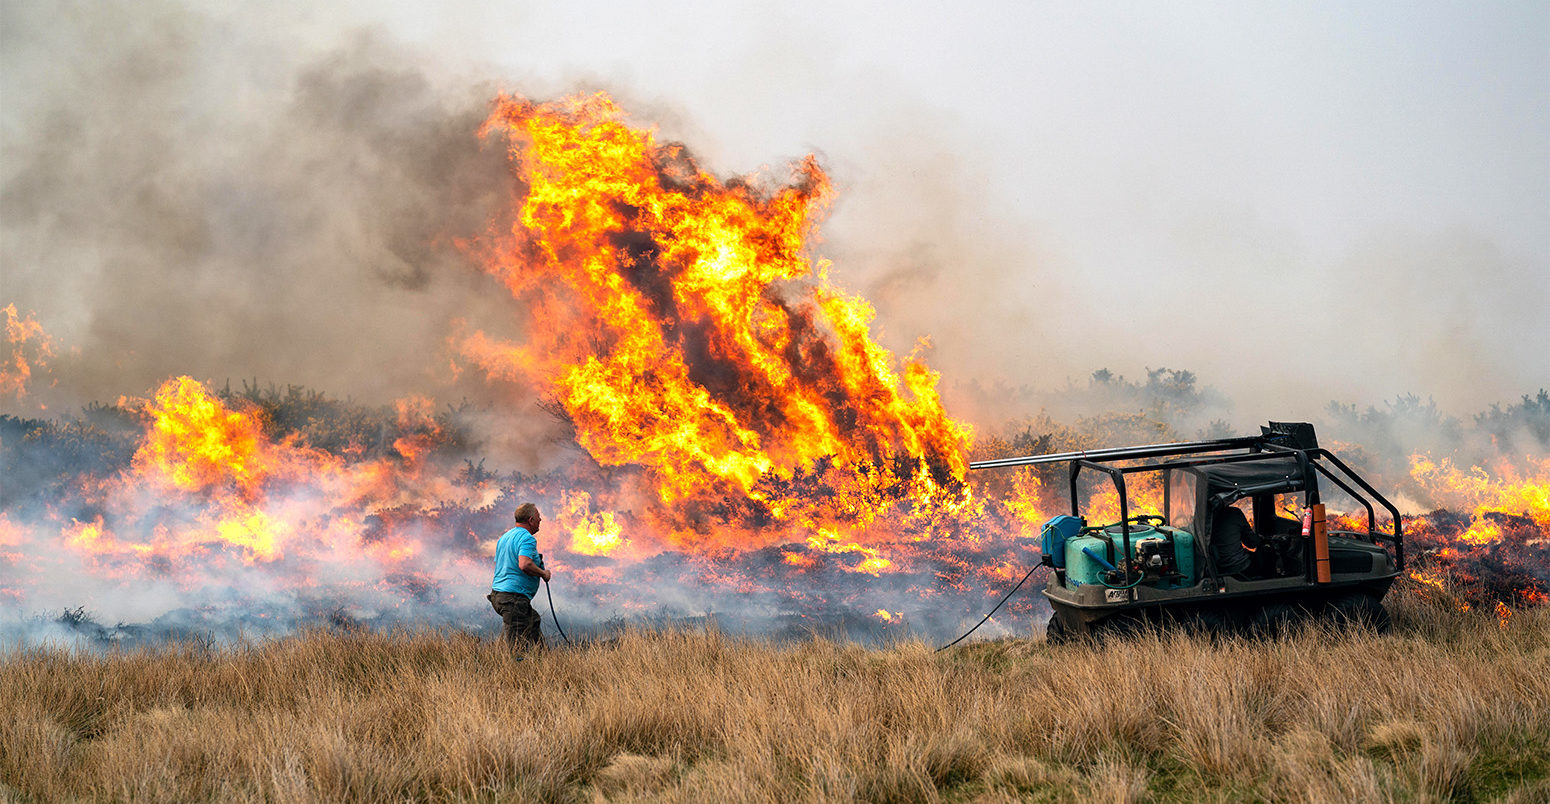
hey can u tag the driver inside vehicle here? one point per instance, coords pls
(1230, 534)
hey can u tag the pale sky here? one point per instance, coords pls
(1298, 201)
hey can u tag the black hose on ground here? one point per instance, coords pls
(992, 611)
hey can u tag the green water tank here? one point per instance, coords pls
(1082, 567)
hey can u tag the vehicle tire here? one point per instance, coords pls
(1375, 615)
(1055, 632)
(1361, 610)
(1277, 619)
(1124, 625)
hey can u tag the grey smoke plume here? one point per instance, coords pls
(183, 196)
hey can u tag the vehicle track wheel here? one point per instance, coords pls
(1361, 610)
(1277, 619)
(1055, 632)
(1120, 626)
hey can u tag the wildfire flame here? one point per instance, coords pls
(688, 336)
(30, 350)
(208, 493)
(1490, 539)
(1505, 489)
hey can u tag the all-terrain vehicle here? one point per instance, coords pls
(1220, 555)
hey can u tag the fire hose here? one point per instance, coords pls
(992, 611)
(552, 615)
(998, 606)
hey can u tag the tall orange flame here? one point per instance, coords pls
(687, 335)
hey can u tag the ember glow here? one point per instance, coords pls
(738, 442)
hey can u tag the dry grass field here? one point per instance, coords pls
(1449, 707)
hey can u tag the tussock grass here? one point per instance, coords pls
(1448, 707)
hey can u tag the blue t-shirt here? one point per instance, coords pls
(508, 576)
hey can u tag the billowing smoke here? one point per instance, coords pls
(185, 196)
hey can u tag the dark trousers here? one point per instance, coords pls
(519, 621)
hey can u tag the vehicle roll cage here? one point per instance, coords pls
(1269, 446)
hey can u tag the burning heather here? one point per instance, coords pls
(736, 445)
(1491, 540)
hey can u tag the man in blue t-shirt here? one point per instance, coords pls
(518, 568)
